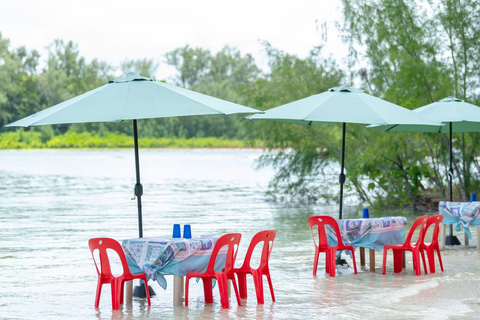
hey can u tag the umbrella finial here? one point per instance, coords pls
(131, 76)
(451, 99)
(345, 89)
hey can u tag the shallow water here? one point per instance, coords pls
(52, 202)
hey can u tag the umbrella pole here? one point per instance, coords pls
(138, 186)
(451, 239)
(139, 291)
(341, 177)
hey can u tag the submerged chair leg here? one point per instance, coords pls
(271, 286)
(315, 262)
(99, 291)
(207, 290)
(242, 284)
(439, 258)
(258, 281)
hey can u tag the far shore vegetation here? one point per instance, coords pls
(85, 140)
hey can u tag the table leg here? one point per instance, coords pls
(178, 285)
(128, 292)
(404, 260)
(443, 235)
(362, 257)
(478, 238)
(466, 238)
(372, 260)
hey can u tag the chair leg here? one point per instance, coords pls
(416, 262)
(146, 289)
(315, 261)
(242, 284)
(354, 263)
(207, 290)
(222, 288)
(327, 262)
(439, 257)
(115, 298)
(187, 278)
(235, 288)
(397, 260)
(331, 260)
(423, 261)
(99, 291)
(384, 267)
(258, 281)
(431, 259)
(271, 286)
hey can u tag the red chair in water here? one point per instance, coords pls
(266, 237)
(323, 246)
(105, 274)
(414, 248)
(232, 241)
(433, 246)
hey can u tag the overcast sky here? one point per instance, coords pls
(117, 30)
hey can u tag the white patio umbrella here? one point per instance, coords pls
(344, 105)
(460, 117)
(131, 98)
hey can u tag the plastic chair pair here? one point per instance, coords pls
(323, 246)
(415, 248)
(431, 247)
(232, 241)
(266, 237)
(105, 274)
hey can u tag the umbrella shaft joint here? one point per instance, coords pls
(138, 190)
(341, 178)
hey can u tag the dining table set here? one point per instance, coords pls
(154, 258)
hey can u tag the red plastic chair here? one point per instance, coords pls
(414, 248)
(105, 273)
(431, 247)
(323, 246)
(267, 237)
(232, 240)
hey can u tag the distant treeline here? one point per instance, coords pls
(409, 52)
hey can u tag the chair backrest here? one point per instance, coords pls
(267, 237)
(232, 240)
(321, 222)
(436, 220)
(102, 244)
(420, 223)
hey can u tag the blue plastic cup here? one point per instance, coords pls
(366, 215)
(187, 231)
(176, 231)
(473, 197)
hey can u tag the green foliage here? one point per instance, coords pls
(21, 139)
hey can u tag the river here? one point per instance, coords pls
(52, 202)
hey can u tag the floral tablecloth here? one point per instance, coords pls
(462, 213)
(371, 233)
(159, 256)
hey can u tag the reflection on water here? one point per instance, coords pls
(52, 202)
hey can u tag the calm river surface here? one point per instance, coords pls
(52, 202)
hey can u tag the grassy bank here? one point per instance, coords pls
(36, 140)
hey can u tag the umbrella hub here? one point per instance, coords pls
(345, 89)
(451, 99)
(131, 76)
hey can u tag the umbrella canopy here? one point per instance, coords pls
(460, 117)
(130, 98)
(344, 105)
